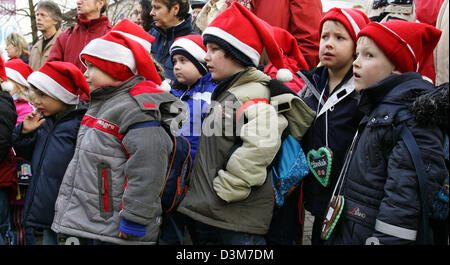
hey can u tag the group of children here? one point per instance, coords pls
(98, 167)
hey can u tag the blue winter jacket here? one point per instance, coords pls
(164, 39)
(50, 149)
(382, 200)
(197, 101)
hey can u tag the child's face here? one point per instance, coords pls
(184, 70)
(163, 16)
(371, 64)
(219, 65)
(336, 49)
(47, 105)
(97, 78)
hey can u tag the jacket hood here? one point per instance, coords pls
(432, 108)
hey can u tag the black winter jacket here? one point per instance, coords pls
(382, 201)
(343, 119)
(8, 117)
(50, 149)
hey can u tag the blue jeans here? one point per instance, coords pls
(203, 234)
(172, 228)
(18, 233)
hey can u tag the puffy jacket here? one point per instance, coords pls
(382, 201)
(197, 101)
(38, 56)
(117, 171)
(229, 186)
(69, 44)
(164, 39)
(300, 18)
(8, 117)
(343, 119)
(50, 149)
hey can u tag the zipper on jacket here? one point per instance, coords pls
(104, 190)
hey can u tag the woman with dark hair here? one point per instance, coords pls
(171, 19)
(146, 18)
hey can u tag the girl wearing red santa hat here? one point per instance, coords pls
(47, 138)
(383, 202)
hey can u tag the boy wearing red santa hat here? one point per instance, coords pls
(383, 204)
(230, 194)
(115, 177)
(330, 92)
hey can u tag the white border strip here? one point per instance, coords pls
(355, 26)
(396, 231)
(16, 77)
(191, 47)
(110, 51)
(52, 88)
(232, 40)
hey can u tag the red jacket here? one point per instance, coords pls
(69, 44)
(299, 17)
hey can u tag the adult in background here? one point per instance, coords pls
(171, 20)
(17, 47)
(145, 8)
(298, 17)
(90, 24)
(196, 7)
(48, 21)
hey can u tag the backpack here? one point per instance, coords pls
(176, 181)
(289, 166)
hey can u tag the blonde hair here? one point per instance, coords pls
(16, 40)
(21, 90)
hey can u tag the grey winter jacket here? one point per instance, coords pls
(117, 172)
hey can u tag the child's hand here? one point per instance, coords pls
(124, 236)
(32, 121)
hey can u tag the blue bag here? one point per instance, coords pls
(288, 170)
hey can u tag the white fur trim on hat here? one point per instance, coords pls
(16, 76)
(191, 47)
(147, 45)
(236, 43)
(52, 88)
(7, 86)
(110, 51)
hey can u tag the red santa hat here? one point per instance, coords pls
(18, 71)
(60, 80)
(243, 36)
(2, 70)
(191, 46)
(123, 52)
(405, 43)
(352, 19)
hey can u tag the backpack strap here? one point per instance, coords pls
(411, 144)
(311, 87)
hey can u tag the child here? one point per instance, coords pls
(47, 138)
(337, 114)
(381, 189)
(194, 86)
(8, 182)
(230, 193)
(110, 192)
(337, 117)
(17, 72)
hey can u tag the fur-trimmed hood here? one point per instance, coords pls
(432, 108)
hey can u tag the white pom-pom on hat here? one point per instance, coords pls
(165, 86)
(284, 75)
(7, 86)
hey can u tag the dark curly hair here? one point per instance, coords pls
(147, 20)
(183, 13)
